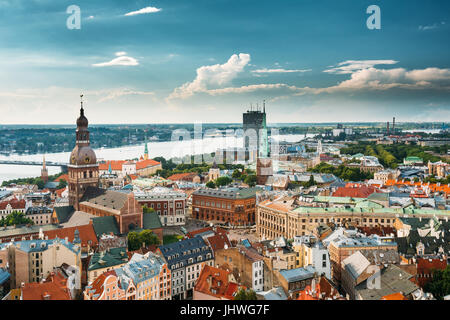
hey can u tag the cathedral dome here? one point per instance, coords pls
(83, 156)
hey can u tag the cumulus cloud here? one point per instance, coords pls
(365, 80)
(213, 76)
(121, 60)
(265, 70)
(350, 66)
(117, 93)
(383, 79)
(143, 11)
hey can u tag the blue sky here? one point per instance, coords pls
(207, 60)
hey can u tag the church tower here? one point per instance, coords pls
(83, 167)
(44, 172)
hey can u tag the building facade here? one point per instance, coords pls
(233, 206)
(170, 205)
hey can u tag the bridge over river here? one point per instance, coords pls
(36, 163)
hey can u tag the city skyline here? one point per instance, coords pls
(175, 62)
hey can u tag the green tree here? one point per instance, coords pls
(236, 174)
(15, 218)
(147, 237)
(223, 181)
(440, 285)
(62, 184)
(210, 184)
(133, 241)
(245, 295)
(250, 180)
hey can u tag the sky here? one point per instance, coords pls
(178, 61)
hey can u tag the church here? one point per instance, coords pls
(84, 192)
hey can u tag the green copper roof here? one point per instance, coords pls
(399, 211)
(110, 258)
(151, 221)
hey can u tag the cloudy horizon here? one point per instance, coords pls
(177, 62)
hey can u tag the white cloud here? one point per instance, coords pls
(350, 66)
(431, 27)
(382, 79)
(117, 93)
(143, 11)
(252, 88)
(265, 70)
(371, 79)
(212, 76)
(121, 60)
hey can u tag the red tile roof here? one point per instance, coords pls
(434, 187)
(87, 233)
(188, 176)
(218, 242)
(116, 165)
(15, 204)
(55, 288)
(146, 164)
(379, 230)
(354, 192)
(62, 177)
(323, 290)
(425, 268)
(215, 282)
(216, 231)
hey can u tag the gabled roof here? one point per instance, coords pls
(214, 282)
(392, 280)
(356, 264)
(97, 286)
(55, 289)
(86, 233)
(64, 213)
(14, 203)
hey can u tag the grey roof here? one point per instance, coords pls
(5, 193)
(38, 210)
(298, 274)
(107, 198)
(276, 293)
(180, 252)
(229, 193)
(393, 280)
(24, 230)
(381, 256)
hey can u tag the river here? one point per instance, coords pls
(167, 150)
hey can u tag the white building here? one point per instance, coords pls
(170, 205)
